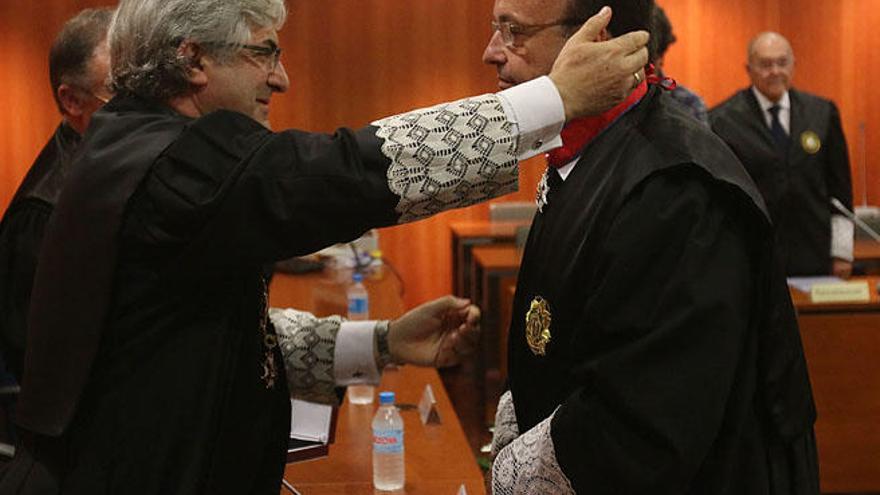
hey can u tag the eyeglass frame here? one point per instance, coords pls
(767, 64)
(272, 52)
(509, 38)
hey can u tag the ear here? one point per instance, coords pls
(71, 101)
(195, 72)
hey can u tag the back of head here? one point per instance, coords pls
(629, 15)
(661, 34)
(73, 48)
(145, 37)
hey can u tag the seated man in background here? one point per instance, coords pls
(653, 346)
(79, 70)
(152, 364)
(793, 146)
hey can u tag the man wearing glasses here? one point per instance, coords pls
(152, 364)
(79, 66)
(793, 146)
(653, 347)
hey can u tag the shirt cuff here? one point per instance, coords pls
(842, 234)
(354, 358)
(537, 109)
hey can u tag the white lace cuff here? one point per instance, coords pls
(842, 233)
(506, 429)
(308, 346)
(450, 156)
(528, 466)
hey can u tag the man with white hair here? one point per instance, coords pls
(793, 146)
(153, 366)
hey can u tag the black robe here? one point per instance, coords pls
(156, 387)
(21, 236)
(674, 360)
(797, 187)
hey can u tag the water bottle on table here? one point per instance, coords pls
(389, 470)
(359, 310)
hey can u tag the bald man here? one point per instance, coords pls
(793, 146)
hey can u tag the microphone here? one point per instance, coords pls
(852, 216)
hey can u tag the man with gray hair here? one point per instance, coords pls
(153, 365)
(793, 146)
(79, 66)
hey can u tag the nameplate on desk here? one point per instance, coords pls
(841, 292)
(428, 407)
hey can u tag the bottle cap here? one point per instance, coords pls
(386, 398)
(358, 277)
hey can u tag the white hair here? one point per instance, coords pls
(145, 35)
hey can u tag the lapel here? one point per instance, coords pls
(798, 123)
(756, 118)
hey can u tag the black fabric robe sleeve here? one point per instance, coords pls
(21, 235)
(268, 196)
(672, 306)
(837, 170)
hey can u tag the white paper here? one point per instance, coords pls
(805, 284)
(310, 421)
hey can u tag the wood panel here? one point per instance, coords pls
(351, 61)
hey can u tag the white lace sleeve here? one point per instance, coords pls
(528, 466)
(450, 156)
(506, 429)
(308, 344)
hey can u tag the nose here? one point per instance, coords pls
(278, 80)
(495, 54)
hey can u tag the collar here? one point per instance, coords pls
(578, 133)
(765, 103)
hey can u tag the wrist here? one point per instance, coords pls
(383, 344)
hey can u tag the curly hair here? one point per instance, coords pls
(145, 36)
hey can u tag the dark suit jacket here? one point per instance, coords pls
(797, 187)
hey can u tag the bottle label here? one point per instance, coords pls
(388, 441)
(357, 305)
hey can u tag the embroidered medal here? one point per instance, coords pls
(538, 326)
(810, 142)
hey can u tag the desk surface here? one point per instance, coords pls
(803, 303)
(438, 457)
(866, 250)
(496, 230)
(497, 257)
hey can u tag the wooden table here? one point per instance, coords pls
(438, 457)
(867, 254)
(842, 345)
(467, 235)
(494, 269)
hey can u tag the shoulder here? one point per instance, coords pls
(736, 103)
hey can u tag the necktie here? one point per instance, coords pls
(779, 134)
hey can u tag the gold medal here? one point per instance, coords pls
(810, 142)
(538, 326)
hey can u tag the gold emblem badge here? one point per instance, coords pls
(810, 142)
(538, 326)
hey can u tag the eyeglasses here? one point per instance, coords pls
(769, 63)
(272, 53)
(513, 34)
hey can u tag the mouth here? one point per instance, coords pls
(505, 84)
(263, 101)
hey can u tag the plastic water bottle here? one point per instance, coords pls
(389, 470)
(359, 310)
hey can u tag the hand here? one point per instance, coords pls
(595, 76)
(841, 268)
(438, 333)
